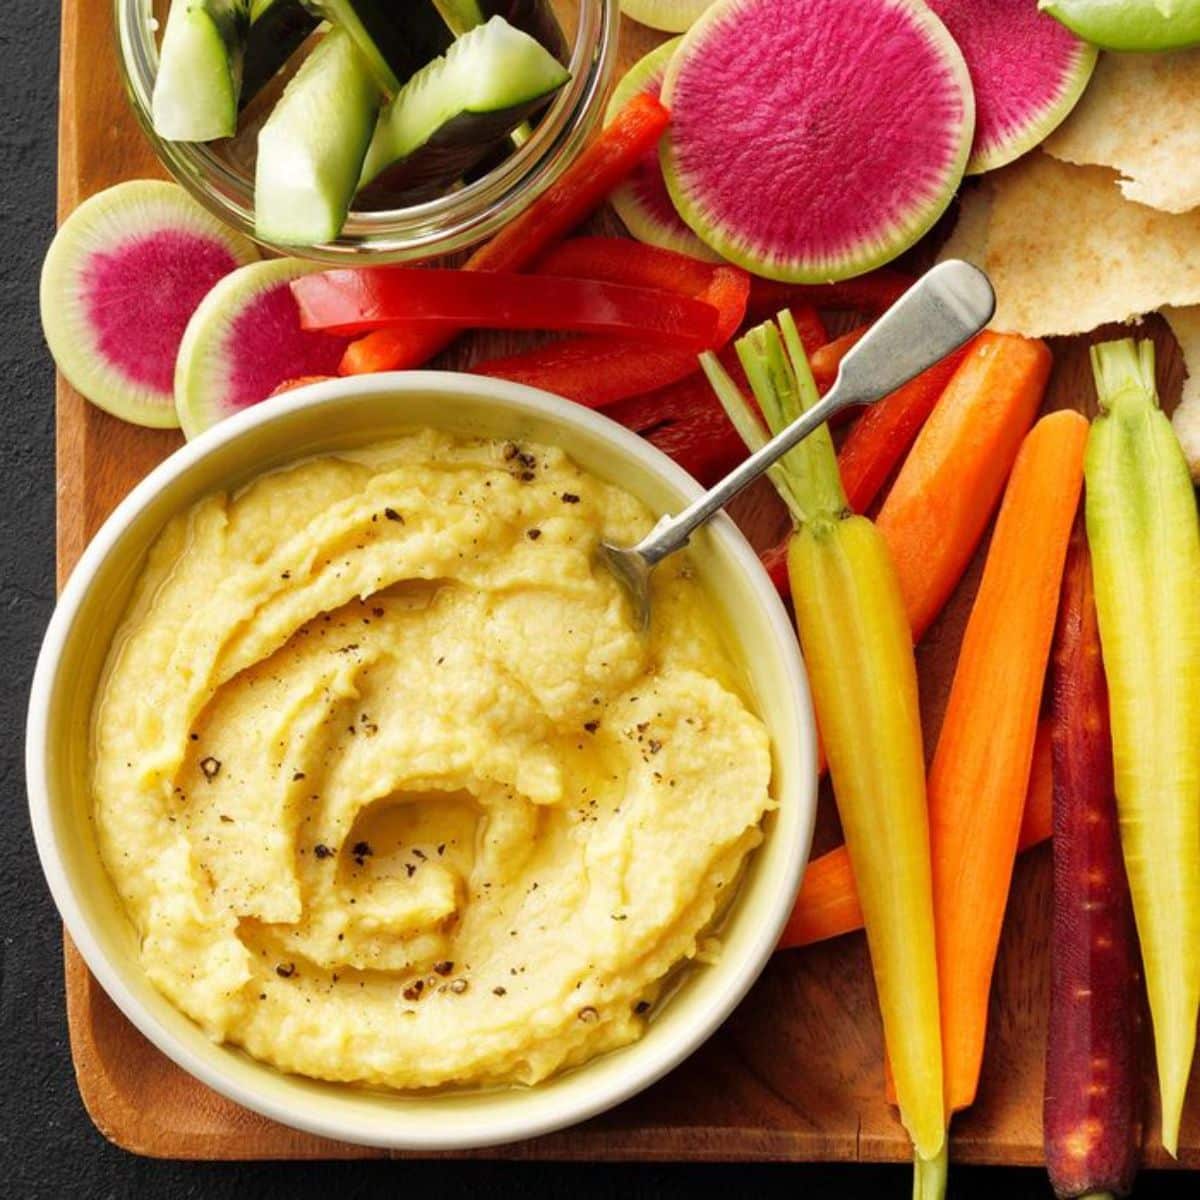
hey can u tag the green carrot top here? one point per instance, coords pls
(1124, 373)
(773, 357)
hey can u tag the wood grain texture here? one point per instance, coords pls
(796, 1073)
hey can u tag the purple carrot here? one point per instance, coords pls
(1091, 1115)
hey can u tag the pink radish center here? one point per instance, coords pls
(815, 127)
(266, 346)
(138, 299)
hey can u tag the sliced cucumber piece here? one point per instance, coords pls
(395, 39)
(277, 30)
(200, 70)
(310, 151)
(451, 113)
(534, 17)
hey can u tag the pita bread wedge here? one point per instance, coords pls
(1185, 325)
(1140, 116)
(1066, 252)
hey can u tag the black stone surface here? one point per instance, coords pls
(48, 1147)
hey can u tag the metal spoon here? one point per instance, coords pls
(945, 308)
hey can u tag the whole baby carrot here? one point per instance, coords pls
(827, 904)
(1090, 1117)
(1145, 539)
(980, 770)
(864, 682)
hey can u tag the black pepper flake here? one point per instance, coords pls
(297, 776)
(570, 498)
(211, 767)
(393, 515)
(322, 851)
(285, 970)
(642, 1006)
(499, 991)
(226, 820)
(414, 990)
(511, 451)
(419, 854)
(410, 869)
(526, 476)
(262, 995)
(533, 534)
(194, 736)
(285, 574)
(377, 612)
(441, 849)
(619, 916)
(655, 745)
(444, 968)
(361, 850)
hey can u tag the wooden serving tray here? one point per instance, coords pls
(796, 1073)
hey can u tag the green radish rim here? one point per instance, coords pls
(671, 16)
(202, 367)
(627, 203)
(119, 216)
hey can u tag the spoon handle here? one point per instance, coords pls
(945, 308)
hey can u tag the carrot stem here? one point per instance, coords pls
(981, 767)
(1145, 538)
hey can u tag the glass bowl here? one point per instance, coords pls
(221, 174)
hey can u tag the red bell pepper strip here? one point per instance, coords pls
(622, 260)
(353, 301)
(598, 371)
(685, 421)
(873, 293)
(581, 188)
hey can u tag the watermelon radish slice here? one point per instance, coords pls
(642, 201)
(124, 273)
(673, 16)
(1027, 70)
(244, 341)
(813, 140)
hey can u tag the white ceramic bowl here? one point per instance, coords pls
(325, 417)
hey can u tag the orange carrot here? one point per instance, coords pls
(827, 903)
(581, 188)
(981, 767)
(826, 360)
(882, 435)
(953, 477)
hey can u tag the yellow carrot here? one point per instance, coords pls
(858, 648)
(1142, 525)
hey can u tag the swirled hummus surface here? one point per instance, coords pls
(390, 788)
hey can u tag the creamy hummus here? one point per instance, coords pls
(389, 787)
